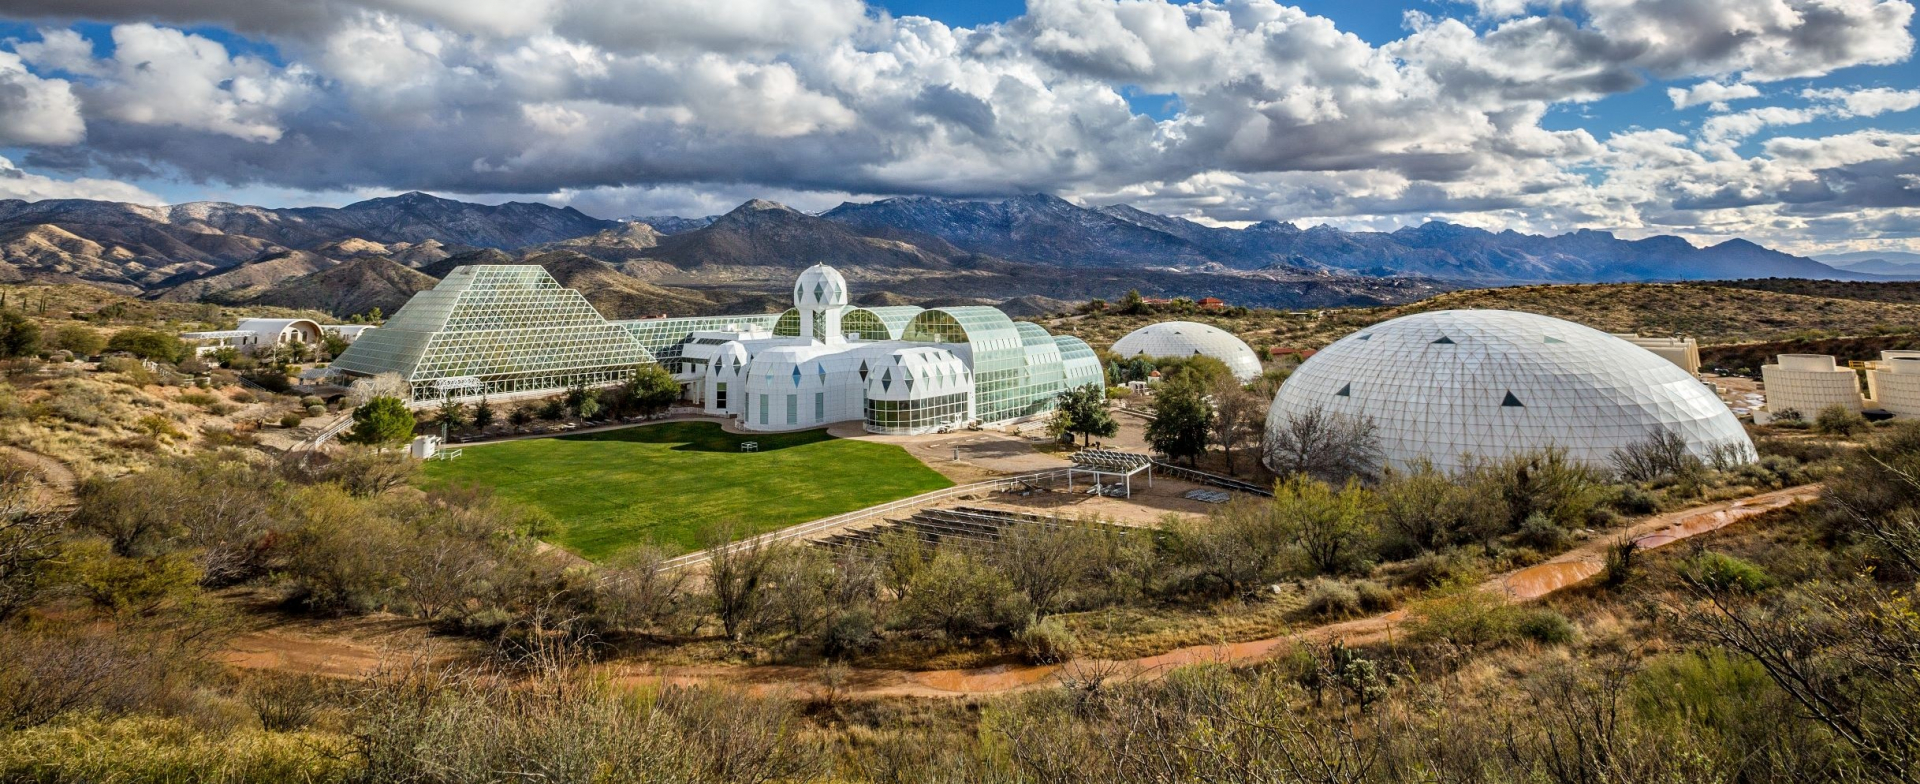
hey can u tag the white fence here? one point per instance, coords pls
(826, 524)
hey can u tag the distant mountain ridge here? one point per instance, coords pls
(916, 248)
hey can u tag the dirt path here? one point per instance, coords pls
(297, 647)
(51, 471)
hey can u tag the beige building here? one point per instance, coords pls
(1808, 384)
(1684, 352)
(1893, 383)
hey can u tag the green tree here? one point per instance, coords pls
(1133, 304)
(652, 389)
(333, 344)
(1330, 530)
(83, 341)
(1182, 420)
(148, 344)
(19, 335)
(588, 406)
(1082, 411)
(482, 414)
(452, 414)
(382, 421)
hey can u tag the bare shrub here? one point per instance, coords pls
(1661, 453)
(1326, 445)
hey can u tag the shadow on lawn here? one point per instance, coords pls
(704, 437)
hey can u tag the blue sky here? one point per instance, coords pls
(1500, 113)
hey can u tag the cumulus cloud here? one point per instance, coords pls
(35, 110)
(646, 103)
(1714, 93)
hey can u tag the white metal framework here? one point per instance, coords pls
(1452, 385)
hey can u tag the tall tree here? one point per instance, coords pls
(19, 335)
(1181, 417)
(1082, 411)
(1236, 415)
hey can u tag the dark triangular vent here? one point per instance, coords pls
(1345, 391)
(1512, 402)
(1443, 341)
(1552, 339)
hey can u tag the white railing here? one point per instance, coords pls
(334, 428)
(826, 524)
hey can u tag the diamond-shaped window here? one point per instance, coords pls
(820, 370)
(817, 291)
(863, 371)
(886, 380)
(796, 375)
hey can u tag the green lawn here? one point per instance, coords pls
(670, 483)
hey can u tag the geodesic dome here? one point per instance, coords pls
(1492, 383)
(820, 286)
(1185, 339)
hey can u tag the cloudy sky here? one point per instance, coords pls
(1789, 122)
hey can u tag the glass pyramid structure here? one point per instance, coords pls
(496, 330)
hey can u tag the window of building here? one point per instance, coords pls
(819, 406)
(720, 395)
(793, 410)
(763, 409)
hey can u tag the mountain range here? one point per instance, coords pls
(377, 252)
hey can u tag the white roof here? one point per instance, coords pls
(820, 286)
(1185, 339)
(1492, 383)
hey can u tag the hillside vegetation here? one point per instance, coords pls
(1713, 314)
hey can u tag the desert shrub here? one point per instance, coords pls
(1446, 567)
(1631, 500)
(200, 399)
(1544, 626)
(291, 419)
(960, 595)
(152, 748)
(1544, 482)
(1331, 599)
(1374, 597)
(84, 403)
(1541, 533)
(83, 341)
(1836, 420)
(1621, 562)
(1800, 450)
(1424, 509)
(285, 703)
(1471, 618)
(314, 411)
(1047, 641)
(46, 673)
(312, 400)
(1661, 453)
(1721, 572)
(850, 633)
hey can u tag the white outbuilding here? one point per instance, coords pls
(1454, 385)
(1186, 339)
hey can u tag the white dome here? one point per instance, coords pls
(820, 286)
(1492, 383)
(1185, 339)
